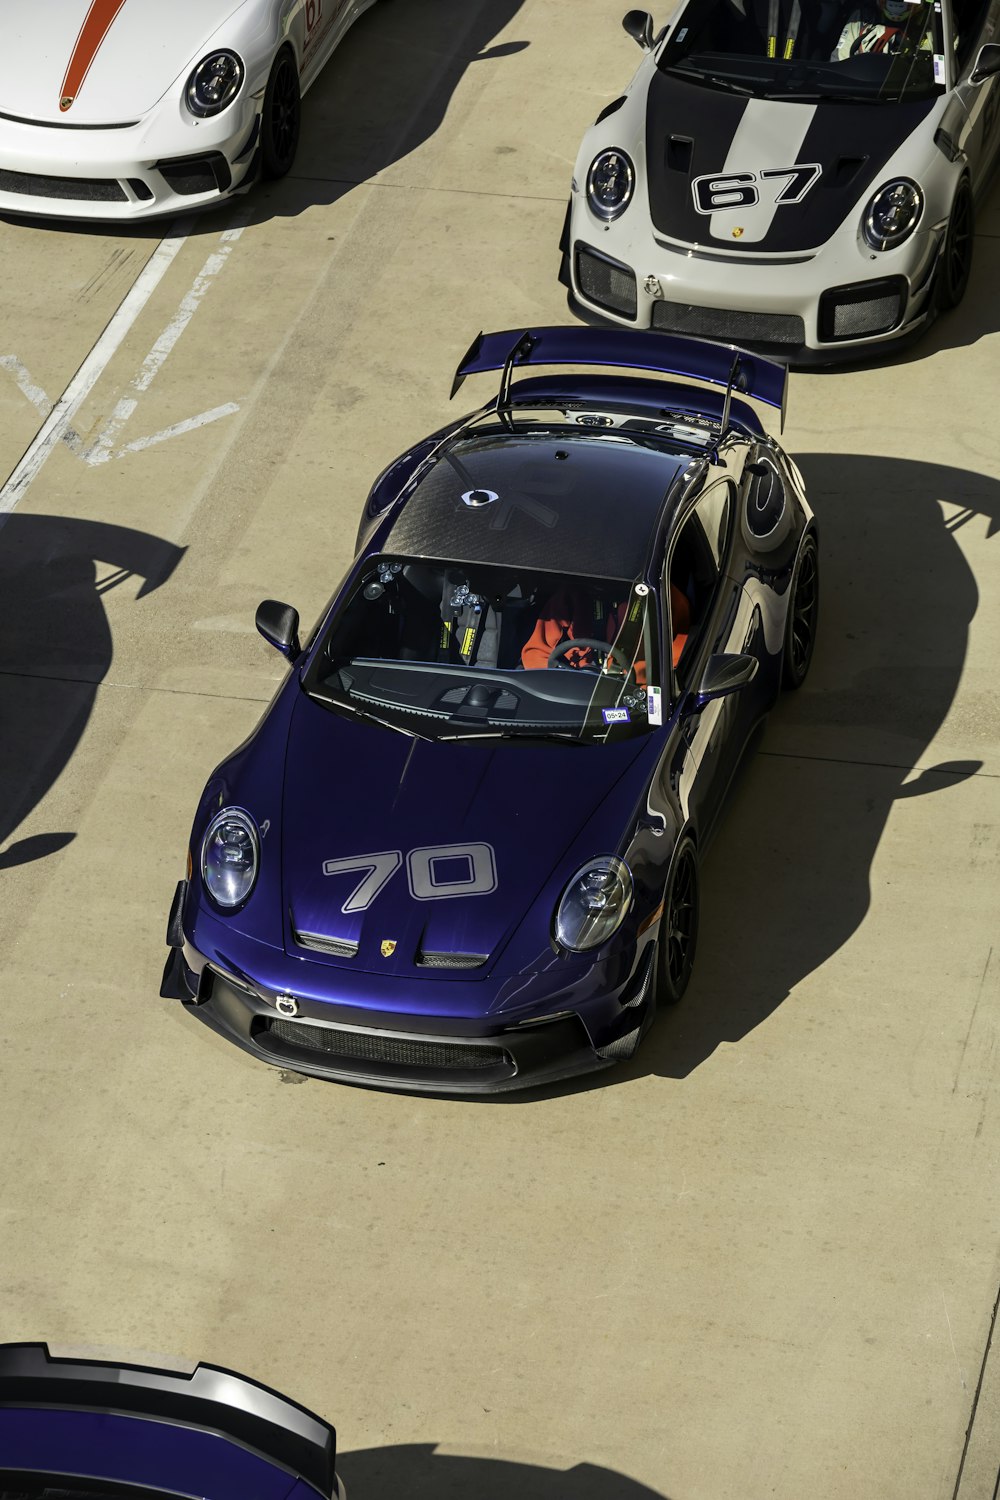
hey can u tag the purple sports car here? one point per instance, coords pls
(460, 852)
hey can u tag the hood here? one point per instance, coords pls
(693, 131)
(113, 59)
(437, 850)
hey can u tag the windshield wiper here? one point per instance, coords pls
(543, 737)
(364, 713)
(715, 79)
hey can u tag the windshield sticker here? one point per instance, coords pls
(939, 67)
(654, 705)
(615, 715)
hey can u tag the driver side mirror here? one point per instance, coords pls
(987, 63)
(639, 25)
(279, 625)
(725, 674)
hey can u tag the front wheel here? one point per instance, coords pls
(281, 117)
(678, 938)
(803, 612)
(956, 257)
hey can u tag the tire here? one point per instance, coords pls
(803, 614)
(281, 116)
(678, 939)
(956, 256)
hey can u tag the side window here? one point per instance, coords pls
(695, 565)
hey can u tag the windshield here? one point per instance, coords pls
(882, 51)
(458, 651)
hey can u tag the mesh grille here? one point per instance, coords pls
(875, 316)
(322, 944)
(606, 283)
(850, 312)
(80, 189)
(452, 960)
(723, 323)
(400, 1052)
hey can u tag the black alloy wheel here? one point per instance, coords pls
(956, 257)
(678, 926)
(803, 613)
(281, 118)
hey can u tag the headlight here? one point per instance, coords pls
(892, 215)
(230, 854)
(594, 904)
(214, 83)
(610, 182)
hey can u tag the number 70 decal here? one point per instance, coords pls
(717, 192)
(434, 873)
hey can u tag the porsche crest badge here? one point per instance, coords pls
(388, 947)
(737, 232)
(65, 102)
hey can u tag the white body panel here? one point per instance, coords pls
(134, 88)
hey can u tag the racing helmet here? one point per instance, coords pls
(895, 12)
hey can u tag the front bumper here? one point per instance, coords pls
(569, 1030)
(822, 308)
(161, 165)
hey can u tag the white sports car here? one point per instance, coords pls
(122, 109)
(796, 175)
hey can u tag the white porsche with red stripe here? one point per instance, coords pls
(122, 109)
(799, 176)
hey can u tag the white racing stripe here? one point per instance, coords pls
(56, 425)
(769, 134)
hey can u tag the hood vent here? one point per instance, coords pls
(451, 960)
(337, 947)
(678, 153)
(845, 171)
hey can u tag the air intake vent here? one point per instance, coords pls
(845, 171)
(344, 1047)
(76, 189)
(451, 960)
(322, 944)
(678, 156)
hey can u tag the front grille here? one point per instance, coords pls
(451, 960)
(870, 307)
(197, 174)
(397, 1052)
(606, 282)
(79, 189)
(724, 323)
(338, 947)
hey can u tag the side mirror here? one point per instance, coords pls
(639, 25)
(987, 63)
(725, 674)
(279, 625)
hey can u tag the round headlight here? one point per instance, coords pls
(214, 83)
(230, 854)
(594, 904)
(610, 183)
(892, 214)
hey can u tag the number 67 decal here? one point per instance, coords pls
(715, 193)
(434, 873)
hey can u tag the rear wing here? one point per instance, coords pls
(204, 1398)
(624, 348)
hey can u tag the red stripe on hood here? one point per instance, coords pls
(96, 25)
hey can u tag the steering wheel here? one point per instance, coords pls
(610, 654)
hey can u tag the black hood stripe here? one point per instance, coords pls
(850, 142)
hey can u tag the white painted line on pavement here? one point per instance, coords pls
(104, 443)
(188, 425)
(56, 425)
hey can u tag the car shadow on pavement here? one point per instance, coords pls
(786, 882)
(55, 650)
(420, 1472)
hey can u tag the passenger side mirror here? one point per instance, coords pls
(725, 674)
(279, 625)
(639, 25)
(987, 63)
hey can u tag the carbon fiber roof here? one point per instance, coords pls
(574, 503)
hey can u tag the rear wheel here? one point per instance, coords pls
(803, 613)
(281, 117)
(956, 257)
(678, 926)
